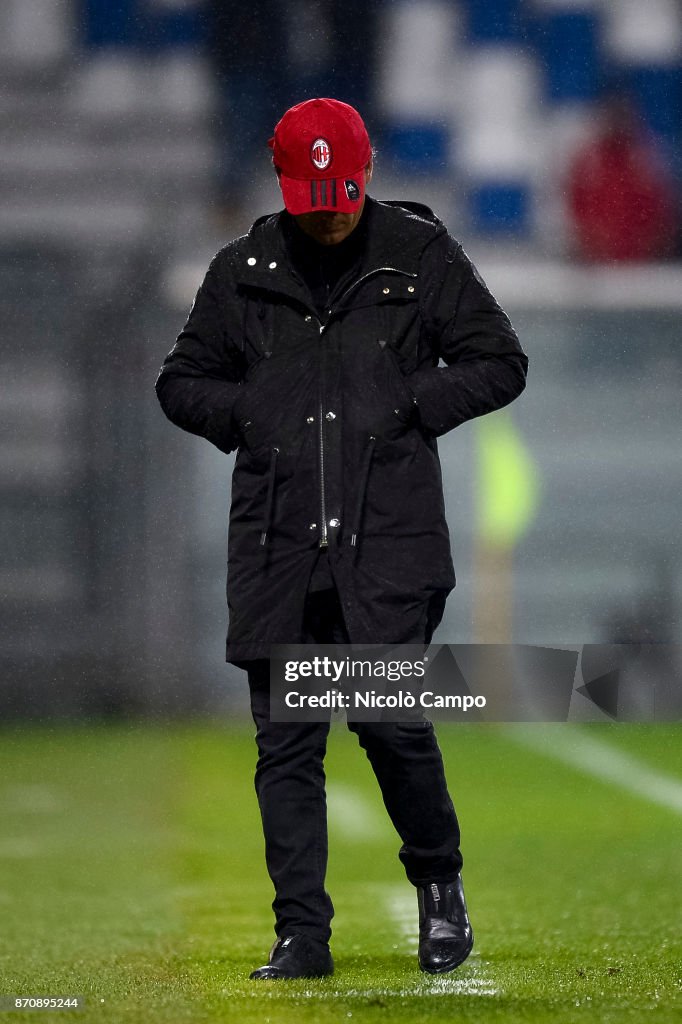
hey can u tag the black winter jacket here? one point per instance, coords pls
(335, 421)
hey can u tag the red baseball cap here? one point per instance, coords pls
(321, 148)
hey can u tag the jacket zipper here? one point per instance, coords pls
(324, 539)
(324, 536)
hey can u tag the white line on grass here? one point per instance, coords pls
(425, 985)
(31, 799)
(402, 909)
(594, 757)
(352, 816)
(18, 849)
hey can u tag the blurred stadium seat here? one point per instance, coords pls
(468, 91)
(107, 159)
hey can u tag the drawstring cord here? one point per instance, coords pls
(270, 500)
(364, 477)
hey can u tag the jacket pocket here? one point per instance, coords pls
(246, 407)
(401, 398)
(274, 409)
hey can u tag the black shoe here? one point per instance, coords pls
(445, 935)
(297, 956)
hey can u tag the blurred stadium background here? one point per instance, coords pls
(114, 134)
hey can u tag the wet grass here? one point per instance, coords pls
(131, 873)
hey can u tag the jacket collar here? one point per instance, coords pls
(397, 234)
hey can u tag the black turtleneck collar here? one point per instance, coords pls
(326, 269)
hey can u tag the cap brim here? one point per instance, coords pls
(339, 195)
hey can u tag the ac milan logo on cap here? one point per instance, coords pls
(321, 154)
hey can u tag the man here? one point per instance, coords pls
(313, 348)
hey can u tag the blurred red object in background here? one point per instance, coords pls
(620, 195)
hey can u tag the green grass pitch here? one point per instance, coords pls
(131, 873)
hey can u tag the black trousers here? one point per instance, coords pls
(290, 784)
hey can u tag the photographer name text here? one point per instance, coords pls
(335, 700)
